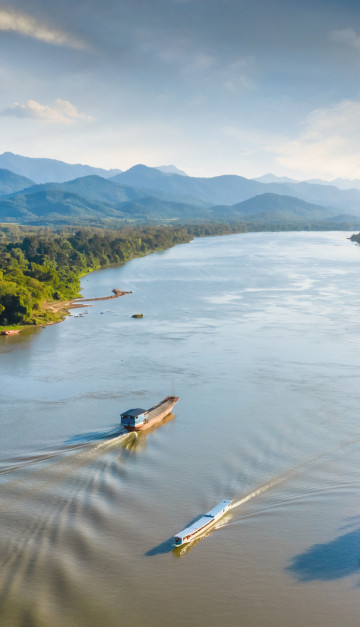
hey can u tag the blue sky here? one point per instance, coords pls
(213, 86)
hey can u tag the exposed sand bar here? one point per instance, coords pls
(62, 306)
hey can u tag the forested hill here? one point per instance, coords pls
(11, 182)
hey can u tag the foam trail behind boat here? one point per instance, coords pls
(290, 473)
(258, 491)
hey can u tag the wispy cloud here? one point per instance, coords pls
(329, 143)
(62, 112)
(346, 36)
(27, 25)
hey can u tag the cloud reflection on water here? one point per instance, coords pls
(330, 560)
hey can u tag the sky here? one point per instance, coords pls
(213, 86)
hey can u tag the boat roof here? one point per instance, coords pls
(134, 412)
(204, 520)
(194, 527)
(217, 509)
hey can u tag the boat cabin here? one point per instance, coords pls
(133, 417)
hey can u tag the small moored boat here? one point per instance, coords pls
(140, 419)
(190, 533)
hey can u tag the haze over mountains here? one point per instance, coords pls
(339, 182)
(46, 170)
(163, 194)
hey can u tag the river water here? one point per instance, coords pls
(259, 335)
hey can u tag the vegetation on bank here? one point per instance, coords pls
(355, 238)
(38, 265)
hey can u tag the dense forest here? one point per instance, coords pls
(38, 265)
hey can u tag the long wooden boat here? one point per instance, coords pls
(139, 419)
(190, 533)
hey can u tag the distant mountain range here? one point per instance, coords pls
(339, 182)
(144, 194)
(273, 209)
(272, 178)
(46, 170)
(226, 189)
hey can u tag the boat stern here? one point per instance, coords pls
(133, 418)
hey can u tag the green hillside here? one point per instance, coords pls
(11, 182)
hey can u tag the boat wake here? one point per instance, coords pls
(82, 445)
(282, 478)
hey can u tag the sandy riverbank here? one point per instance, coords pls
(61, 307)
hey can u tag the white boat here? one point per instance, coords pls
(190, 533)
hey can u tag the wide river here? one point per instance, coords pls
(259, 335)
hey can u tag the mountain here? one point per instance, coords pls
(347, 200)
(227, 189)
(10, 182)
(154, 209)
(94, 200)
(87, 199)
(272, 178)
(274, 208)
(93, 188)
(49, 170)
(170, 169)
(48, 206)
(149, 194)
(231, 189)
(339, 183)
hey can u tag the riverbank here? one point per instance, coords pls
(60, 309)
(40, 275)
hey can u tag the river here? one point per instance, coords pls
(259, 335)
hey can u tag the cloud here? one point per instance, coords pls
(62, 112)
(329, 144)
(25, 24)
(346, 36)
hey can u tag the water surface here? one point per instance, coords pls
(259, 335)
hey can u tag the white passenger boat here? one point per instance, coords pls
(190, 533)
